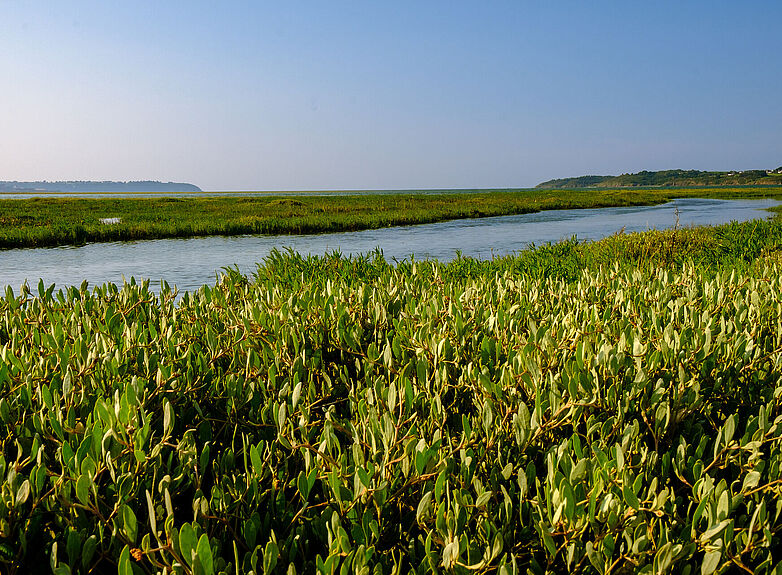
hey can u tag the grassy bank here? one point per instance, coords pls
(603, 407)
(59, 221)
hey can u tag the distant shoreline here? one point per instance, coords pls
(89, 186)
(30, 194)
(669, 179)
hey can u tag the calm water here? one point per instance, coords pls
(190, 263)
(26, 195)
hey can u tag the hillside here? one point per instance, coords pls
(670, 178)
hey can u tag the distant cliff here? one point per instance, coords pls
(670, 178)
(90, 186)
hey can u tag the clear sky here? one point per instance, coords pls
(394, 95)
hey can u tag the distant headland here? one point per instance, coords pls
(96, 187)
(671, 178)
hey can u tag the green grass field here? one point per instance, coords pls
(606, 407)
(60, 221)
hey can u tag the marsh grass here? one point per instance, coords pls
(40, 222)
(709, 249)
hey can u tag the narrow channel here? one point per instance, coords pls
(191, 263)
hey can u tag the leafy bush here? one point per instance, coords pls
(352, 416)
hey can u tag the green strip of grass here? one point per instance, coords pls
(744, 247)
(40, 222)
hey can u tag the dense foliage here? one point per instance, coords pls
(352, 416)
(670, 178)
(58, 221)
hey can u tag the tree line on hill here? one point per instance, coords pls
(671, 178)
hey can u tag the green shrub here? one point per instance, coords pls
(343, 415)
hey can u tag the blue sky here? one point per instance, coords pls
(394, 95)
